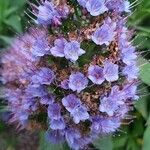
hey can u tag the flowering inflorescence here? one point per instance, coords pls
(82, 91)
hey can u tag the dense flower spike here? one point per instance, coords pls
(79, 78)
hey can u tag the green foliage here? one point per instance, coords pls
(104, 143)
(10, 19)
(139, 20)
(145, 72)
(146, 144)
(45, 145)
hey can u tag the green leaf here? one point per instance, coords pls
(15, 22)
(119, 141)
(141, 105)
(146, 143)
(45, 145)
(132, 145)
(144, 70)
(6, 39)
(104, 143)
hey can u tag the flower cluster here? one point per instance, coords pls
(81, 84)
(48, 13)
(69, 50)
(98, 7)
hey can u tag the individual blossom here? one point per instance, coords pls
(70, 102)
(47, 14)
(82, 2)
(110, 71)
(96, 7)
(117, 94)
(77, 82)
(118, 5)
(35, 91)
(128, 55)
(47, 99)
(57, 124)
(40, 47)
(73, 138)
(131, 71)
(104, 125)
(108, 105)
(34, 43)
(130, 91)
(58, 49)
(79, 113)
(43, 76)
(72, 51)
(113, 102)
(63, 11)
(54, 111)
(29, 104)
(73, 105)
(105, 33)
(95, 74)
(127, 51)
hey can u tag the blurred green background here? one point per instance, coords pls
(135, 136)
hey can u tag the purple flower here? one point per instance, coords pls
(35, 91)
(72, 51)
(29, 104)
(118, 5)
(96, 7)
(47, 99)
(54, 111)
(73, 138)
(77, 82)
(82, 2)
(130, 91)
(105, 125)
(40, 47)
(110, 71)
(47, 14)
(131, 71)
(95, 74)
(57, 124)
(70, 102)
(107, 105)
(122, 111)
(55, 136)
(104, 34)
(128, 54)
(58, 49)
(44, 76)
(63, 11)
(79, 113)
(65, 84)
(116, 94)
